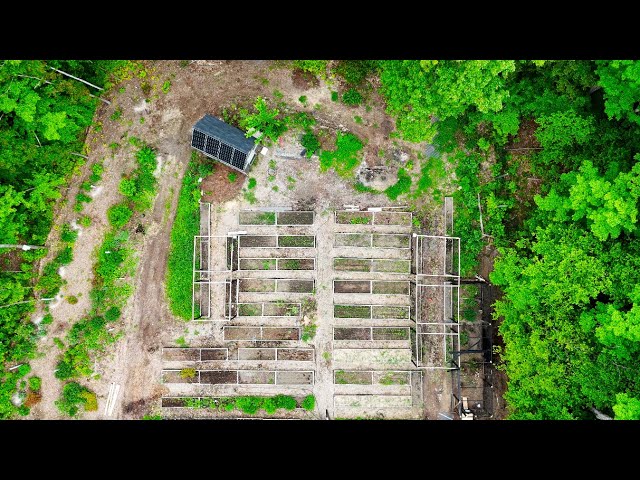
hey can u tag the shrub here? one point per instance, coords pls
(316, 67)
(268, 121)
(351, 97)
(128, 187)
(90, 401)
(252, 183)
(65, 256)
(82, 198)
(119, 214)
(166, 86)
(303, 99)
(250, 197)
(345, 157)
(309, 402)
(35, 383)
(233, 176)
(72, 299)
(354, 72)
(68, 235)
(285, 401)
(112, 314)
(269, 405)
(311, 143)
(187, 373)
(75, 395)
(248, 404)
(96, 173)
(85, 221)
(334, 96)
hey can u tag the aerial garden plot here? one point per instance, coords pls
(319, 239)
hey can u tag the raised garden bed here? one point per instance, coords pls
(258, 285)
(173, 376)
(218, 377)
(256, 354)
(281, 309)
(295, 218)
(352, 286)
(391, 333)
(391, 378)
(249, 309)
(295, 354)
(209, 354)
(352, 240)
(354, 218)
(352, 311)
(257, 264)
(256, 377)
(352, 264)
(256, 218)
(351, 333)
(343, 377)
(390, 288)
(294, 378)
(296, 264)
(278, 333)
(258, 241)
(392, 266)
(180, 354)
(393, 218)
(391, 241)
(296, 286)
(296, 241)
(241, 333)
(168, 402)
(384, 312)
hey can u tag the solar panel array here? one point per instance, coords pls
(198, 140)
(218, 149)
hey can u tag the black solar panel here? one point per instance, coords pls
(212, 146)
(197, 141)
(226, 153)
(218, 149)
(238, 159)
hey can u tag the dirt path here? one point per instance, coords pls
(78, 274)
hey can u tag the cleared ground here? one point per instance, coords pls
(136, 362)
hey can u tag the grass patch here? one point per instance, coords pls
(402, 186)
(308, 332)
(185, 226)
(345, 158)
(296, 241)
(352, 97)
(250, 404)
(352, 311)
(250, 309)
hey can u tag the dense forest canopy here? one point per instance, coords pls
(569, 263)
